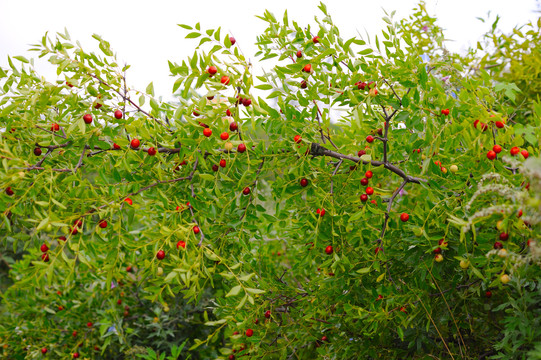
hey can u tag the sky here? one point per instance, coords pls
(145, 34)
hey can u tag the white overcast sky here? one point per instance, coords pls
(145, 34)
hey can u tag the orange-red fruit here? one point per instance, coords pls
(488, 294)
(249, 332)
(445, 112)
(246, 190)
(222, 163)
(377, 250)
(44, 351)
(207, 132)
(364, 198)
(212, 70)
(103, 224)
(116, 146)
(369, 174)
(224, 136)
(118, 114)
(228, 112)
(76, 355)
(225, 80)
(500, 124)
(370, 138)
(55, 127)
(369, 191)
(504, 236)
(89, 324)
(364, 181)
(233, 126)
(497, 149)
(525, 154)
(232, 40)
(329, 250)
(196, 229)
(315, 39)
(297, 139)
(361, 153)
(135, 143)
(491, 155)
(241, 148)
(307, 68)
(498, 245)
(181, 244)
(246, 102)
(268, 314)
(129, 201)
(304, 182)
(160, 255)
(299, 53)
(514, 150)
(87, 118)
(151, 151)
(44, 248)
(404, 217)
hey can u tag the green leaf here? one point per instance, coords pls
(234, 291)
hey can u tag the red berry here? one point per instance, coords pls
(228, 113)
(233, 126)
(37, 151)
(87, 118)
(246, 190)
(74, 231)
(369, 174)
(268, 314)
(225, 80)
(135, 143)
(181, 244)
(514, 150)
(304, 182)
(151, 151)
(232, 40)
(116, 146)
(76, 355)
(315, 39)
(231, 357)
(74, 333)
(498, 245)
(437, 251)
(374, 202)
(297, 139)
(361, 85)
(241, 148)
(491, 155)
(207, 132)
(249, 332)
(119, 301)
(364, 198)
(324, 338)
(63, 238)
(364, 181)
(102, 224)
(497, 149)
(195, 113)
(55, 127)
(377, 250)
(504, 236)
(484, 126)
(500, 124)
(304, 84)
(329, 250)
(160, 255)
(361, 153)
(196, 229)
(224, 136)
(215, 168)
(299, 53)
(44, 351)
(118, 114)
(44, 248)
(222, 163)
(369, 190)
(445, 112)
(380, 297)
(247, 102)
(128, 268)
(525, 154)
(488, 294)
(129, 201)
(212, 70)
(307, 68)
(370, 138)
(321, 212)
(404, 217)
(89, 324)
(519, 214)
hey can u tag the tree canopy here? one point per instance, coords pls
(373, 198)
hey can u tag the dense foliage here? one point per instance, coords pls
(361, 198)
